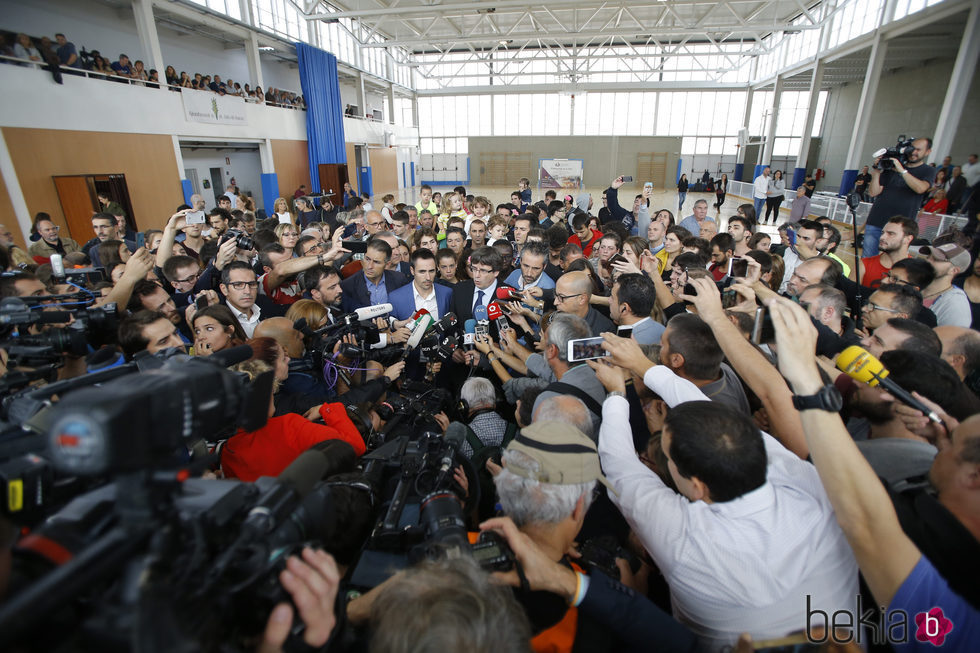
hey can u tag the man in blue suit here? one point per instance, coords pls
(373, 283)
(422, 292)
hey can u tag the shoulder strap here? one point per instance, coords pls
(509, 434)
(475, 444)
(567, 389)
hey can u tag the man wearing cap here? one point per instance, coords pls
(948, 302)
(748, 537)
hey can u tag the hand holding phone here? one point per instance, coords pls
(194, 217)
(585, 349)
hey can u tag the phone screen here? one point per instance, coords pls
(763, 332)
(355, 246)
(194, 217)
(140, 240)
(738, 267)
(586, 349)
(627, 178)
(624, 331)
(201, 301)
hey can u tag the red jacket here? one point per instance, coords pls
(269, 450)
(586, 247)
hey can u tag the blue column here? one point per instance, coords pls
(188, 189)
(364, 180)
(758, 170)
(270, 191)
(411, 167)
(739, 170)
(799, 175)
(680, 163)
(847, 181)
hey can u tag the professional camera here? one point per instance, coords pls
(242, 239)
(159, 561)
(901, 151)
(421, 513)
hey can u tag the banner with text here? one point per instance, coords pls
(204, 106)
(560, 173)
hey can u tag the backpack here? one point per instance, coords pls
(481, 454)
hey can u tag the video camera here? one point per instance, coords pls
(902, 151)
(422, 514)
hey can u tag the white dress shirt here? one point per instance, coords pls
(488, 294)
(745, 565)
(791, 261)
(248, 322)
(428, 303)
(760, 186)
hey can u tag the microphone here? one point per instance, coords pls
(507, 294)
(232, 355)
(371, 312)
(497, 314)
(421, 326)
(860, 365)
(36, 317)
(469, 329)
(482, 320)
(294, 483)
(454, 437)
(447, 323)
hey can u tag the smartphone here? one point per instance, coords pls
(738, 267)
(616, 258)
(624, 331)
(194, 217)
(627, 178)
(201, 301)
(585, 349)
(355, 246)
(763, 333)
(791, 236)
(649, 185)
(140, 240)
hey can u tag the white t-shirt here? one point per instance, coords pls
(761, 186)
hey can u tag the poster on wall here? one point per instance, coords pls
(207, 107)
(560, 173)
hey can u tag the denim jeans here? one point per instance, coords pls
(758, 202)
(681, 196)
(871, 236)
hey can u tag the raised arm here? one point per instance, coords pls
(864, 511)
(761, 377)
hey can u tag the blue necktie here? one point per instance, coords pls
(479, 299)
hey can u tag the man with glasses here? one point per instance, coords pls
(374, 223)
(572, 294)
(50, 242)
(891, 300)
(240, 287)
(485, 264)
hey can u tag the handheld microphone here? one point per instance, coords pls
(469, 329)
(421, 326)
(507, 294)
(497, 315)
(454, 437)
(860, 365)
(57, 267)
(371, 312)
(482, 320)
(447, 323)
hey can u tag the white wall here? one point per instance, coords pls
(245, 167)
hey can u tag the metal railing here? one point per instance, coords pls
(835, 207)
(119, 79)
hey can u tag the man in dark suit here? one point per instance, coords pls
(372, 284)
(422, 292)
(486, 263)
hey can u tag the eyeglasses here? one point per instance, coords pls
(190, 279)
(313, 247)
(242, 285)
(871, 306)
(891, 278)
(564, 298)
(482, 270)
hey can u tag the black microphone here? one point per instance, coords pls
(454, 437)
(294, 483)
(232, 355)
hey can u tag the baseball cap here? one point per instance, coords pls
(959, 257)
(564, 454)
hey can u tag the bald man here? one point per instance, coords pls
(374, 222)
(281, 330)
(573, 292)
(961, 348)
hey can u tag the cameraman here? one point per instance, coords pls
(897, 191)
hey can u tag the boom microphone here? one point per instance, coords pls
(371, 312)
(860, 365)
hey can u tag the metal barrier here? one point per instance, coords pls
(835, 207)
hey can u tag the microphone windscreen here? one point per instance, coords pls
(505, 294)
(469, 326)
(860, 365)
(494, 311)
(232, 355)
(455, 434)
(305, 471)
(480, 313)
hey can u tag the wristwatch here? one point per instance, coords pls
(615, 393)
(828, 398)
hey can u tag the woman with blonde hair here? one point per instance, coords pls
(313, 312)
(287, 235)
(281, 209)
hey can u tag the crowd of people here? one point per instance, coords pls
(743, 483)
(61, 56)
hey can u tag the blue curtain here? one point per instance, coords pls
(324, 113)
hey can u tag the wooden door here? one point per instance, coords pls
(333, 176)
(652, 167)
(78, 205)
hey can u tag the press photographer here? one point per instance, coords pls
(899, 179)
